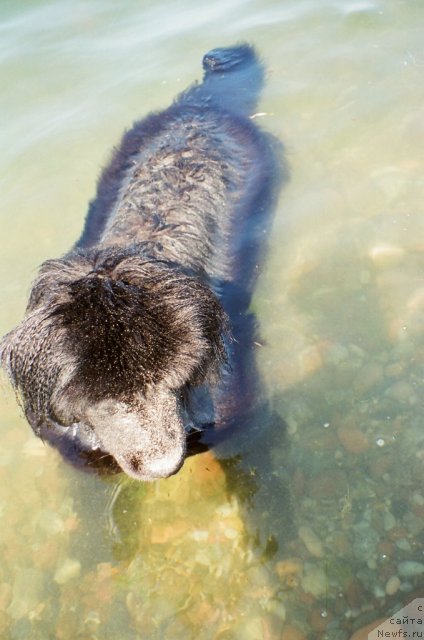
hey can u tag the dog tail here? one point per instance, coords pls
(233, 79)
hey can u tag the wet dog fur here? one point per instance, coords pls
(139, 338)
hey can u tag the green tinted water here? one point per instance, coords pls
(317, 527)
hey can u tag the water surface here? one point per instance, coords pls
(317, 525)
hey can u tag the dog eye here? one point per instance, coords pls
(62, 420)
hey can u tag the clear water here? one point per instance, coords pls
(317, 528)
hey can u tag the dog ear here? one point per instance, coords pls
(17, 351)
(7, 355)
(31, 354)
(33, 357)
(18, 361)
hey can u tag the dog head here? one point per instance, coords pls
(109, 342)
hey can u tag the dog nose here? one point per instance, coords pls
(141, 467)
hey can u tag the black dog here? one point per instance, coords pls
(121, 357)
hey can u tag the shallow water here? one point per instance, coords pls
(317, 525)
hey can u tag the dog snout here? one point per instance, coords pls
(141, 467)
(146, 437)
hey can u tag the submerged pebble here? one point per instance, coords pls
(418, 499)
(311, 541)
(410, 568)
(292, 633)
(289, 567)
(403, 544)
(370, 375)
(352, 439)
(402, 392)
(385, 255)
(277, 608)
(314, 580)
(68, 569)
(392, 585)
(389, 521)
